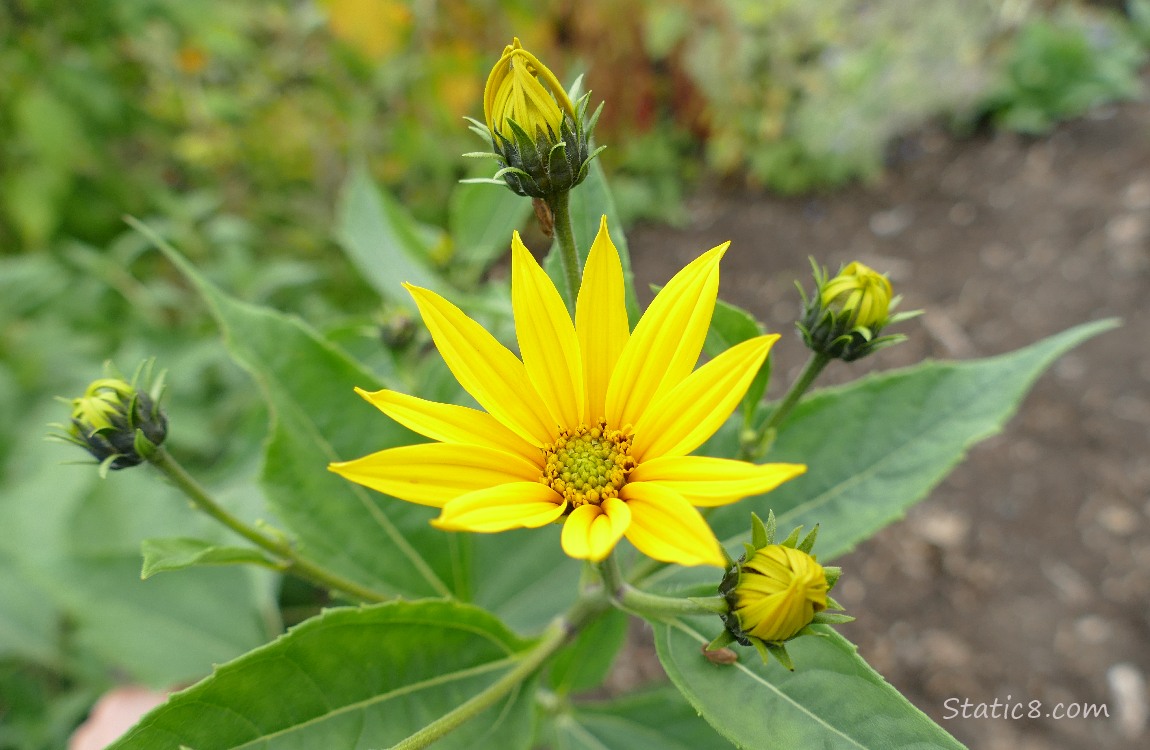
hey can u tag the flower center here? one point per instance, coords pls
(588, 464)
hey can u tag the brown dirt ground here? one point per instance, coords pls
(1027, 572)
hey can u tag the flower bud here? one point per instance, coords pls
(775, 592)
(862, 293)
(778, 593)
(523, 90)
(538, 136)
(118, 424)
(842, 319)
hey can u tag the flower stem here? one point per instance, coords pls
(586, 608)
(642, 603)
(293, 562)
(559, 205)
(766, 434)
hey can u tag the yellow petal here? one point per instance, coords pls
(665, 345)
(592, 531)
(547, 338)
(509, 506)
(601, 321)
(667, 528)
(435, 473)
(708, 482)
(449, 423)
(486, 369)
(683, 418)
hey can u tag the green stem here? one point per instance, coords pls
(585, 609)
(562, 216)
(766, 434)
(654, 605)
(639, 602)
(292, 561)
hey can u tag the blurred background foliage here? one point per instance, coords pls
(275, 142)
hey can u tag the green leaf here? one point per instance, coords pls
(352, 678)
(584, 663)
(731, 325)
(482, 219)
(522, 575)
(178, 553)
(833, 699)
(384, 242)
(316, 417)
(878, 445)
(657, 719)
(72, 540)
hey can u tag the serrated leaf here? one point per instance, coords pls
(764, 706)
(352, 678)
(308, 383)
(178, 553)
(878, 445)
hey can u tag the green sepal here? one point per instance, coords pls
(832, 573)
(750, 551)
(808, 542)
(759, 536)
(832, 604)
(831, 618)
(793, 538)
(722, 640)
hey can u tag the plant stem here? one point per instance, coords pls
(639, 602)
(585, 609)
(292, 561)
(766, 434)
(562, 216)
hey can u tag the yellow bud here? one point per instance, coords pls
(861, 291)
(522, 89)
(779, 591)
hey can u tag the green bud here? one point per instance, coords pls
(118, 424)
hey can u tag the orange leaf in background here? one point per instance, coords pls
(374, 27)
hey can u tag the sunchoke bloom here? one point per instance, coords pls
(778, 593)
(116, 423)
(860, 291)
(539, 137)
(592, 428)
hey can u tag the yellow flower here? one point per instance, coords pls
(592, 427)
(522, 89)
(779, 591)
(862, 291)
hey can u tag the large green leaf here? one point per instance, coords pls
(317, 418)
(383, 241)
(70, 551)
(584, 663)
(658, 719)
(833, 699)
(352, 679)
(878, 445)
(482, 218)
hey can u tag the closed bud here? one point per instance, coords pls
(538, 135)
(775, 592)
(861, 293)
(844, 316)
(116, 423)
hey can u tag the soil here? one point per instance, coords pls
(1026, 574)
